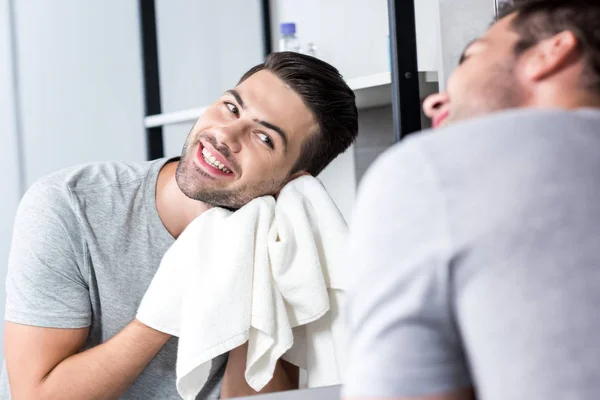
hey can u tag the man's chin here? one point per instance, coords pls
(213, 196)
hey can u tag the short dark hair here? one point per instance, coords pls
(326, 94)
(536, 20)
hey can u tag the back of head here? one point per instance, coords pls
(537, 20)
(326, 94)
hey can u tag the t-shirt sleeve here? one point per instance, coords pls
(45, 283)
(403, 339)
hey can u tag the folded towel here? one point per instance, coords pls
(268, 273)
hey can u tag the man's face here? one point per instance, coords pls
(245, 145)
(486, 80)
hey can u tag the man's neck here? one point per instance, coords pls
(175, 209)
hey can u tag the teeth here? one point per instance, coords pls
(212, 161)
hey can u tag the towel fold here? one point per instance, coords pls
(268, 273)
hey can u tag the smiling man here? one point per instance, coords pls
(479, 277)
(88, 240)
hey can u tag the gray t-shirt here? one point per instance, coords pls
(474, 260)
(87, 242)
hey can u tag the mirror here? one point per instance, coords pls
(85, 83)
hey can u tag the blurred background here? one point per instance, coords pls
(79, 81)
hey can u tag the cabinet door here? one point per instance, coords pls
(80, 83)
(204, 47)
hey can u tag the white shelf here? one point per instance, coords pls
(376, 90)
(175, 117)
(371, 91)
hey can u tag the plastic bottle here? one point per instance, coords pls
(311, 49)
(288, 40)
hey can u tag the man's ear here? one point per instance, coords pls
(551, 56)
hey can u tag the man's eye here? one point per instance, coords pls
(232, 108)
(265, 139)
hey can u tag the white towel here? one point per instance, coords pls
(268, 274)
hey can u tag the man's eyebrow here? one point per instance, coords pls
(277, 129)
(266, 124)
(237, 97)
(463, 55)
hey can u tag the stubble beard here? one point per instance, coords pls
(197, 185)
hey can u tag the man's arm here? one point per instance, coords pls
(44, 363)
(285, 377)
(48, 309)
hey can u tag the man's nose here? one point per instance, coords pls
(435, 102)
(232, 135)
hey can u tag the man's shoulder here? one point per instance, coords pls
(508, 136)
(506, 127)
(99, 176)
(91, 182)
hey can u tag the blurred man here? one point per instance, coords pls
(88, 240)
(474, 262)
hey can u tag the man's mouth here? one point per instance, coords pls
(438, 120)
(213, 161)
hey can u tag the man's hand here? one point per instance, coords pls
(45, 363)
(285, 376)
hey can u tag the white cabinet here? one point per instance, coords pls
(79, 83)
(353, 34)
(349, 34)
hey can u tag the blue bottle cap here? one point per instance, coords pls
(287, 28)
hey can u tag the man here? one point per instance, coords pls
(474, 262)
(88, 240)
